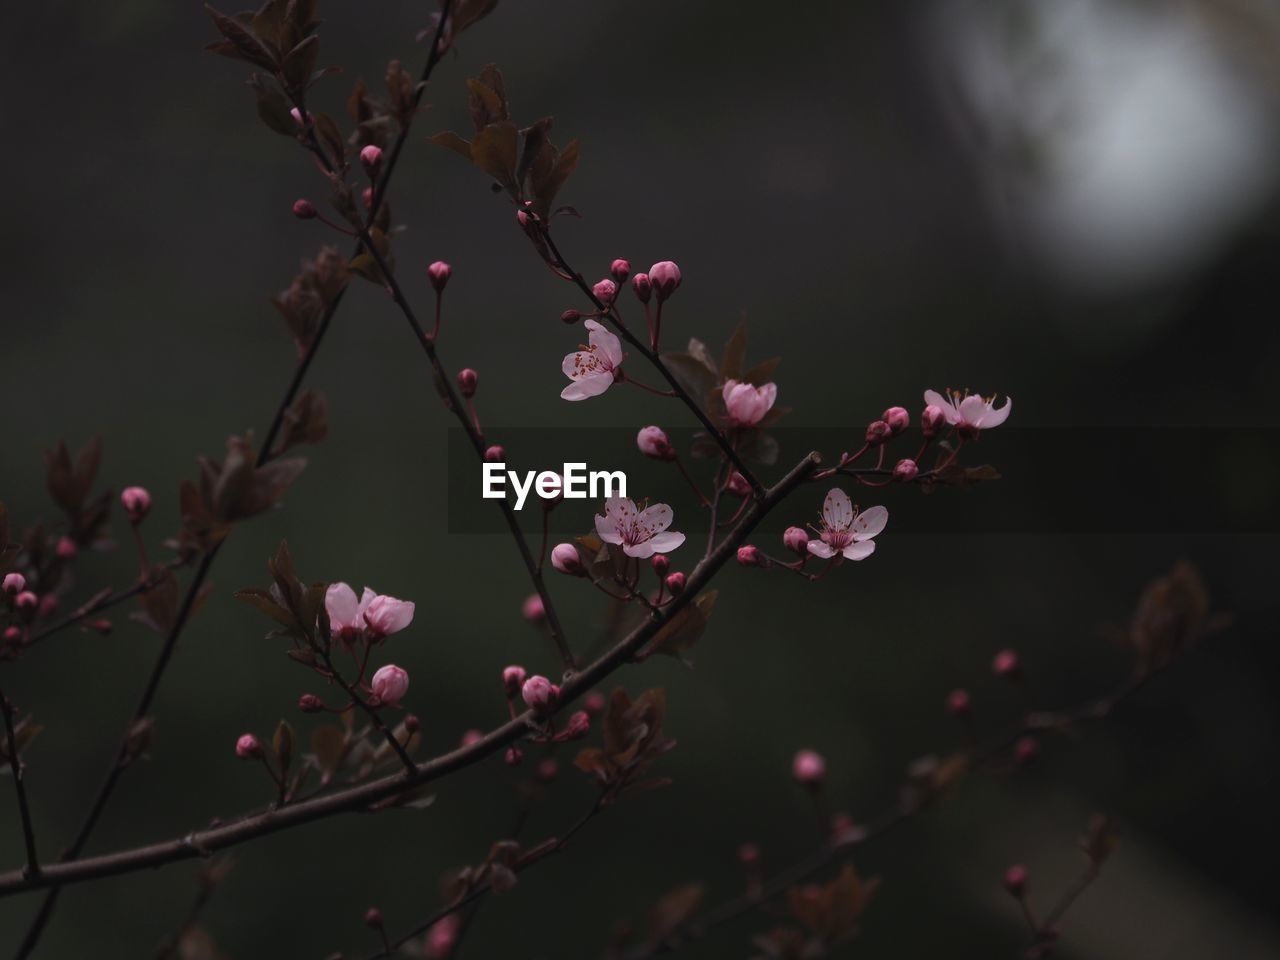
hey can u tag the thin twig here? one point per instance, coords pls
(32, 867)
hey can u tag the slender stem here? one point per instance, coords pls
(104, 601)
(359, 797)
(657, 362)
(371, 711)
(20, 787)
(702, 497)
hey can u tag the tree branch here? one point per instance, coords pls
(20, 788)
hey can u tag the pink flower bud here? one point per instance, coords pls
(605, 291)
(642, 286)
(67, 548)
(809, 768)
(877, 432)
(1006, 665)
(579, 725)
(796, 540)
(905, 470)
(248, 747)
(1015, 881)
(594, 703)
(371, 158)
(533, 609)
(102, 626)
(304, 209)
(411, 723)
(620, 269)
(366, 197)
(746, 404)
(959, 704)
(136, 502)
(1026, 749)
(514, 757)
(11, 634)
(749, 855)
(547, 770)
(439, 272)
(571, 316)
(749, 555)
(48, 605)
(467, 380)
(373, 916)
(566, 559)
(390, 684)
(675, 583)
(26, 602)
(737, 485)
(442, 936)
(665, 277)
(540, 693)
(513, 678)
(897, 418)
(660, 563)
(932, 420)
(494, 454)
(310, 703)
(653, 442)
(471, 736)
(14, 584)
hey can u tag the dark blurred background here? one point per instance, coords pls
(1070, 201)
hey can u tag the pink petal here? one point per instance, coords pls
(820, 549)
(972, 409)
(947, 406)
(606, 343)
(341, 605)
(591, 386)
(837, 509)
(994, 417)
(642, 550)
(666, 542)
(869, 522)
(859, 551)
(654, 519)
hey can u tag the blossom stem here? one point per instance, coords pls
(644, 386)
(702, 497)
(32, 867)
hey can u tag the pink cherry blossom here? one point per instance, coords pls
(746, 403)
(809, 768)
(248, 747)
(640, 533)
(969, 411)
(845, 530)
(594, 368)
(387, 615)
(390, 683)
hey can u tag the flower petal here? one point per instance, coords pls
(341, 605)
(653, 520)
(642, 550)
(666, 542)
(606, 343)
(860, 550)
(837, 509)
(972, 409)
(591, 386)
(933, 398)
(869, 522)
(820, 549)
(994, 417)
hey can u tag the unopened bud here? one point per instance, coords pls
(136, 502)
(494, 454)
(660, 563)
(578, 726)
(566, 559)
(439, 272)
(540, 693)
(809, 768)
(897, 418)
(14, 584)
(606, 291)
(371, 159)
(514, 757)
(304, 209)
(467, 380)
(1015, 881)
(905, 470)
(66, 548)
(749, 555)
(675, 583)
(310, 703)
(959, 704)
(390, 683)
(513, 678)
(932, 420)
(533, 609)
(26, 602)
(653, 442)
(373, 916)
(593, 702)
(878, 432)
(796, 540)
(571, 316)
(665, 277)
(737, 485)
(642, 286)
(620, 269)
(1007, 665)
(411, 723)
(248, 747)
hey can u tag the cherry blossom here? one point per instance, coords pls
(640, 533)
(746, 403)
(349, 617)
(969, 411)
(594, 368)
(387, 615)
(845, 530)
(390, 684)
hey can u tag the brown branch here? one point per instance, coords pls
(20, 787)
(106, 601)
(361, 797)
